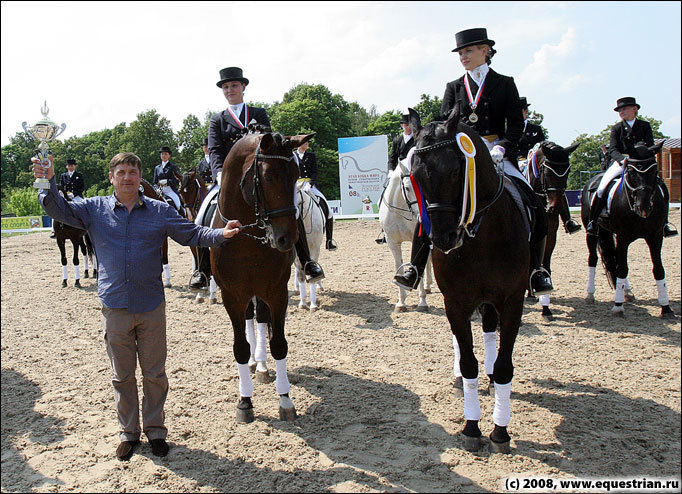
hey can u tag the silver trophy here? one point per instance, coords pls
(44, 130)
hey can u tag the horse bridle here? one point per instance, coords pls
(548, 164)
(628, 166)
(409, 203)
(263, 215)
(198, 198)
(451, 208)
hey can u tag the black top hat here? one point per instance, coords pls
(524, 102)
(471, 37)
(627, 101)
(231, 74)
(165, 149)
(204, 141)
(71, 162)
(405, 119)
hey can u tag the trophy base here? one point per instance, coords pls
(41, 183)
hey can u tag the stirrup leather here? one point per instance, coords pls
(533, 273)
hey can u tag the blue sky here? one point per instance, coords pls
(99, 63)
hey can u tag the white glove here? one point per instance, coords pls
(163, 182)
(70, 194)
(497, 154)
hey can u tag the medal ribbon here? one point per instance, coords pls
(236, 119)
(474, 102)
(469, 190)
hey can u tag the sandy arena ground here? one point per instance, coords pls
(593, 395)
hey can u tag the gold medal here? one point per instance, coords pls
(473, 118)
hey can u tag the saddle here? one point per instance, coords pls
(521, 193)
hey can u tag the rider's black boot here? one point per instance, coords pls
(312, 270)
(421, 248)
(669, 230)
(540, 280)
(201, 278)
(570, 225)
(595, 211)
(329, 226)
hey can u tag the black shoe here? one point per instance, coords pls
(126, 449)
(198, 283)
(381, 239)
(331, 245)
(592, 228)
(409, 279)
(571, 227)
(159, 447)
(53, 235)
(669, 230)
(313, 272)
(541, 283)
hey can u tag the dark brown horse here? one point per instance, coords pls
(638, 209)
(149, 191)
(481, 255)
(258, 182)
(80, 240)
(547, 172)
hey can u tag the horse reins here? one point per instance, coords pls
(628, 167)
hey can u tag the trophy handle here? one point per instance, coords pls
(61, 129)
(27, 130)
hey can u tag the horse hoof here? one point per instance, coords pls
(252, 365)
(302, 306)
(471, 444)
(245, 416)
(422, 308)
(77, 284)
(167, 284)
(629, 296)
(263, 377)
(490, 390)
(427, 290)
(287, 414)
(64, 285)
(667, 313)
(86, 275)
(458, 387)
(212, 301)
(590, 298)
(199, 300)
(503, 448)
(400, 308)
(618, 311)
(547, 317)
(313, 308)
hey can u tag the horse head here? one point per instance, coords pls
(639, 178)
(440, 167)
(550, 166)
(269, 184)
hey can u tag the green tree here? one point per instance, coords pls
(388, 123)
(537, 118)
(24, 202)
(189, 140)
(428, 108)
(15, 163)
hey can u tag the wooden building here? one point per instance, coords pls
(669, 167)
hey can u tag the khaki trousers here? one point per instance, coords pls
(129, 337)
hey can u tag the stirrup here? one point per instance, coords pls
(532, 291)
(401, 280)
(203, 277)
(669, 230)
(331, 245)
(381, 239)
(313, 279)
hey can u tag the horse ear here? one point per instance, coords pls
(415, 121)
(266, 142)
(656, 147)
(572, 147)
(299, 140)
(452, 121)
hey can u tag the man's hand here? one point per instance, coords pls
(39, 171)
(232, 228)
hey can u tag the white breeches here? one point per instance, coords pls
(315, 191)
(204, 205)
(166, 189)
(614, 171)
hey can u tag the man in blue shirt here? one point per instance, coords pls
(127, 230)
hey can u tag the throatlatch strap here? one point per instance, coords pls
(469, 193)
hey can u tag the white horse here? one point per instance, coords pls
(314, 220)
(398, 215)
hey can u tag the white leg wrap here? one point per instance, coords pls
(281, 381)
(303, 292)
(502, 411)
(85, 263)
(490, 346)
(472, 408)
(212, 287)
(65, 273)
(76, 272)
(590, 279)
(627, 284)
(166, 272)
(544, 300)
(251, 336)
(620, 290)
(261, 354)
(313, 295)
(455, 365)
(245, 382)
(662, 292)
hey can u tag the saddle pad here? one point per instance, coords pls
(512, 188)
(614, 187)
(210, 212)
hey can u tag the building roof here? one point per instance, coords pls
(670, 143)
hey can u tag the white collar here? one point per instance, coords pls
(479, 73)
(237, 109)
(631, 123)
(164, 163)
(71, 173)
(407, 137)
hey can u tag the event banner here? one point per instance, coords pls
(363, 167)
(22, 222)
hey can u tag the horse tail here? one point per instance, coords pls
(607, 252)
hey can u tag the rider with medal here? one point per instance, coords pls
(624, 135)
(488, 102)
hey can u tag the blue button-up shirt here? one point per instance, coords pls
(128, 245)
